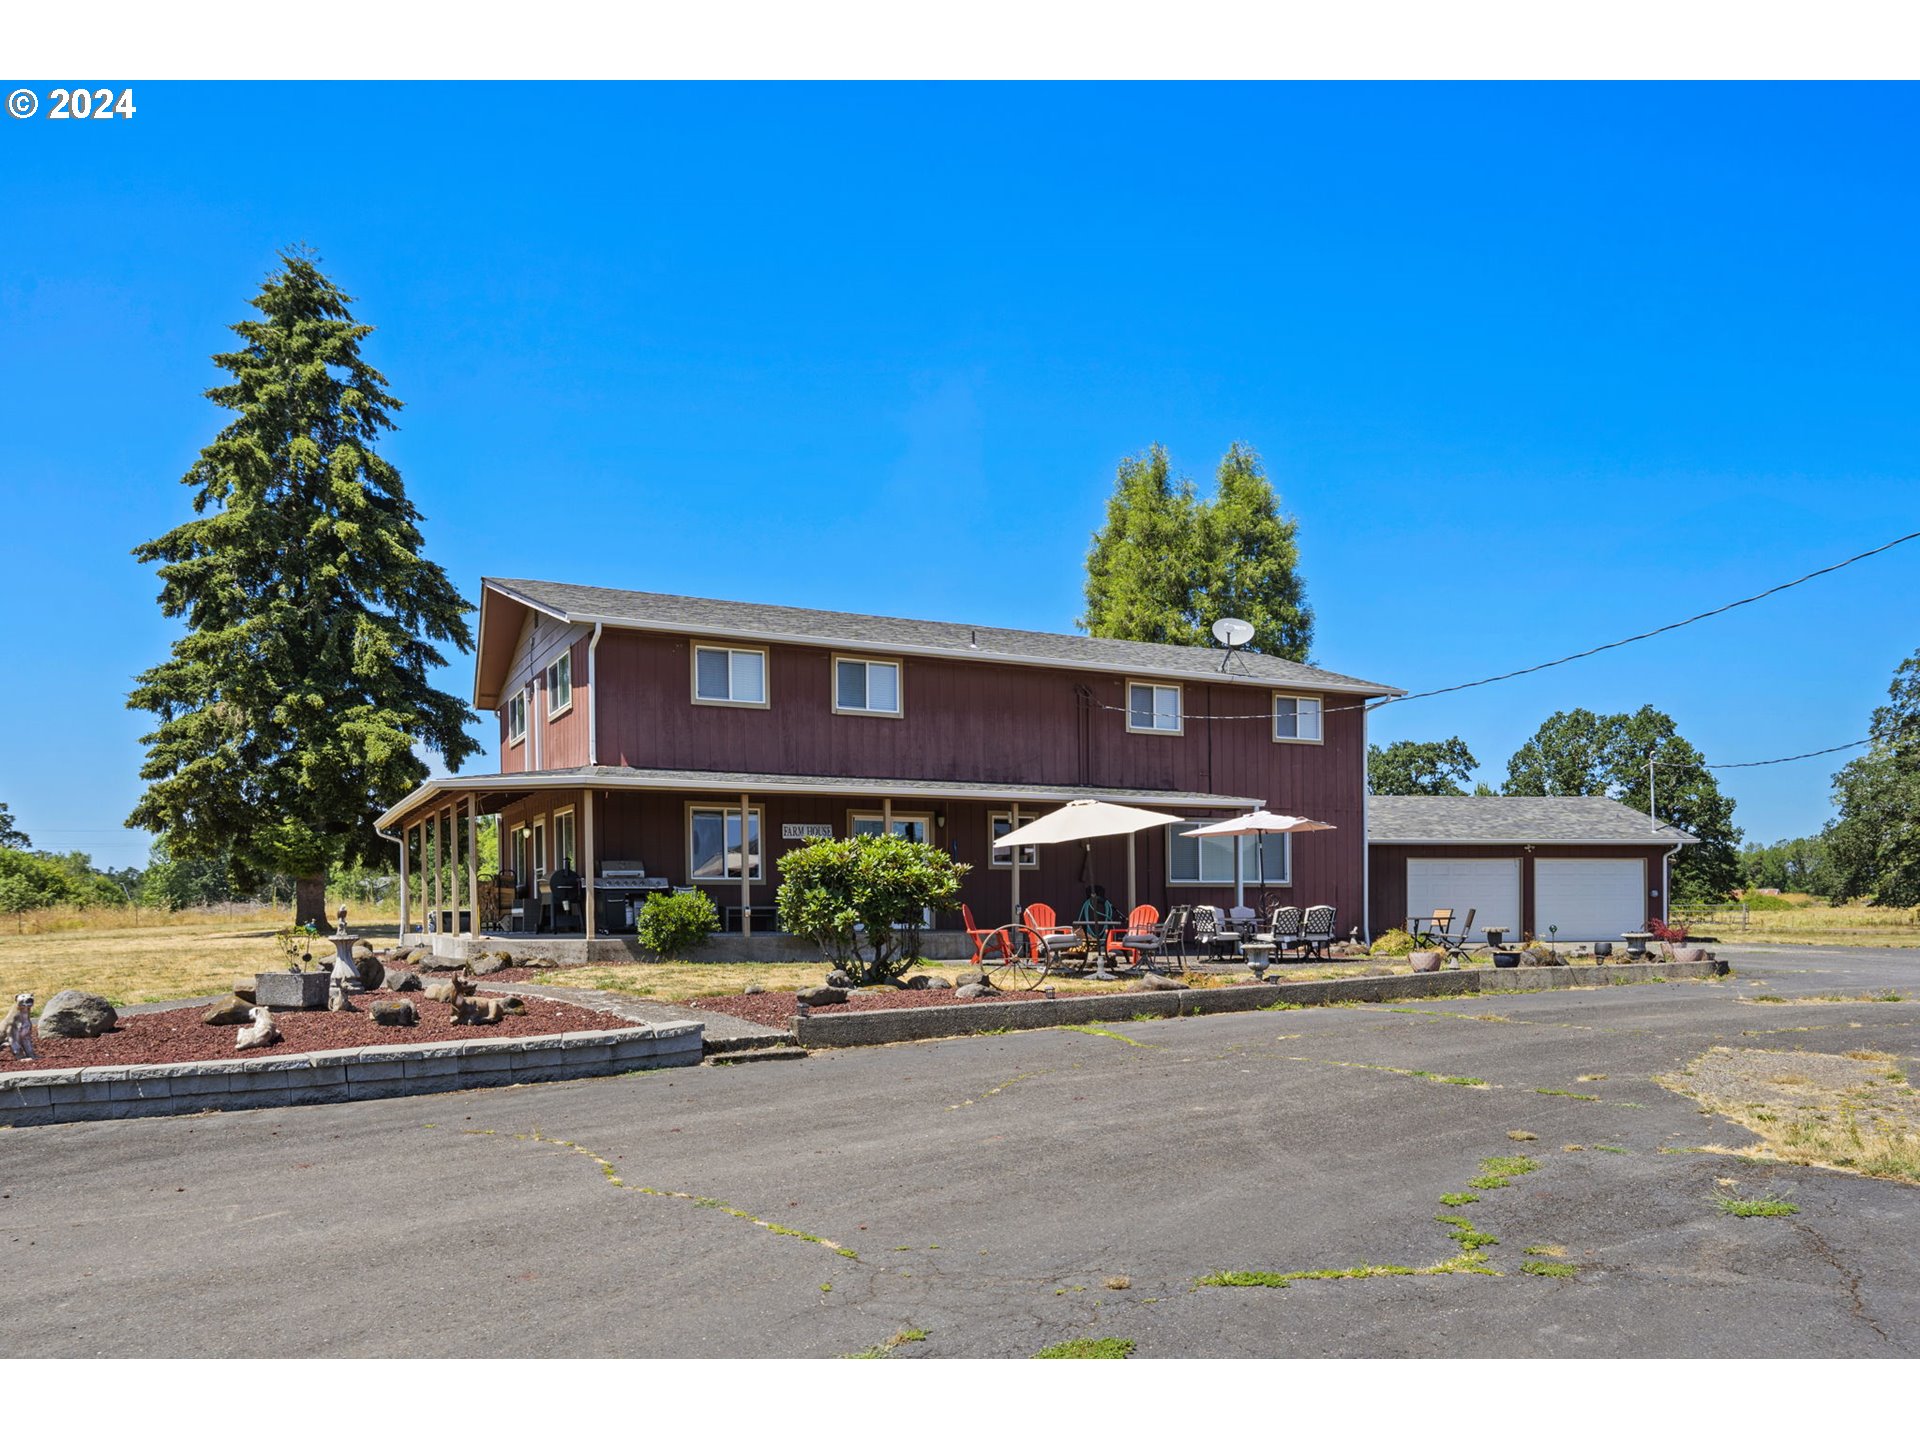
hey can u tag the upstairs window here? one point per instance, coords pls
(516, 717)
(724, 676)
(1296, 717)
(1153, 709)
(866, 687)
(560, 685)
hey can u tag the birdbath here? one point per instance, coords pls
(346, 974)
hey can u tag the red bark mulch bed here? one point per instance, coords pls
(172, 1036)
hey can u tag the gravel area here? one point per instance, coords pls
(776, 1007)
(173, 1036)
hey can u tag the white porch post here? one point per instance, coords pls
(746, 865)
(1013, 823)
(886, 815)
(406, 843)
(473, 867)
(586, 849)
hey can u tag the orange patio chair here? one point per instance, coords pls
(1141, 937)
(987, 944)
(1052, 934)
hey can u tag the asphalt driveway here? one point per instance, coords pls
(1003, 1193)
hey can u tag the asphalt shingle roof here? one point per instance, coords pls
(1465, 819)
(591, 603)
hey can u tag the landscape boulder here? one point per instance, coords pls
(974, 990)
(403, 980)
(839, 980)
(76, 1014)
(754, 987)
(1159, 982)
(395, 1012)
(246, 993)
(822, 995)
(491, 964)
(1541, 957)
(429, 961)
(927, 981)
(233, 1010)
(373, 974)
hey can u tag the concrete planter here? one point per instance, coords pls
(1425, 961)
(1689, 954)
(292, 990)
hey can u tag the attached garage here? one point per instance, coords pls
(1489, 888)
(1582, 862)
(1590, 899)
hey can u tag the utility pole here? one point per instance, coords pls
(1652, 828)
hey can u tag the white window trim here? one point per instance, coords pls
(759, 811)
(766, 677)
(994, 862)
(1273, 723)
(1180, 708)
(539, 855)
(520, 738)
(898, 815)
(546, 679)
(1227, 883)
(567, 811)
(899, 686)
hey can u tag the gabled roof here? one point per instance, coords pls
(737, 619)
(1512, 819)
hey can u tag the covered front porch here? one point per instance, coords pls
(581, 849)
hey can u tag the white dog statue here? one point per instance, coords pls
(261, 1032)
(20, 1028)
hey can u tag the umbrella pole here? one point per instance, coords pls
(1133, 844)
(1239, 880)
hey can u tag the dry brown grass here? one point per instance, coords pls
(1852, 1112)
(131, 964)
(1818, 923)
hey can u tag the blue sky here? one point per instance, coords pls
(1535, 366)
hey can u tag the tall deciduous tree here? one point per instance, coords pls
(1167, 564)
(11, 837)
(290, 709)
(1873, 845)
(1420, 767)
(1577, 752)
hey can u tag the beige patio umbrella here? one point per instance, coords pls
(1260, 822)
(1083, 820)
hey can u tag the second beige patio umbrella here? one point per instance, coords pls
(1259, 822)
(1083, 820)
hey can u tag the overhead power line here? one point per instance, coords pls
(1598, 649)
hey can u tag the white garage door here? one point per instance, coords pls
(1590, 899)
(1489, 888)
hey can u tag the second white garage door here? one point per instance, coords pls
(1590, 899)
(1490, 888)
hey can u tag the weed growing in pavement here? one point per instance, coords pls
(1465, 1235)
(886, 1347)
(1613, 1149)
(1553, 1269)
(1565, 1094)
(1554, 1250)
(1765, 1205)
(1521, 1135)
(1118, 1282)
(1111, 1347)
(1460, 1198)
(1110, 1034)
(1497, 1172)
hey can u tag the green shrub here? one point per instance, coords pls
(672, 924)
(1754, 900)
(862, 900)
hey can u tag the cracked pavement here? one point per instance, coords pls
(990, 1186)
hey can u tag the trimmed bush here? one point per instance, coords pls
(862, 900)
(672, 924)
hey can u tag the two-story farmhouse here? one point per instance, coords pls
(650, 733)
(650, 741)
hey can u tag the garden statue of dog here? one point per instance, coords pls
(20, 1028)
(450, 991)
(478, 1012)
(261, 1032)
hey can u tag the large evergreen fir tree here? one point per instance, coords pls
(1167, 564)
(290, 709)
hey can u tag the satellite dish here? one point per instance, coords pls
(1231, 632)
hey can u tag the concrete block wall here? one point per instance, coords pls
(43, 1097)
